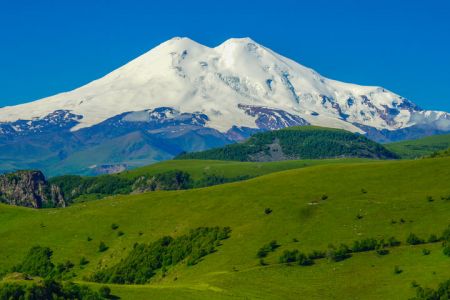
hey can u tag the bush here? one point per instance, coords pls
(83, 261)
(338, 254)
(267, 211)
(324, 197)
(288, 256)
(382, 251)
(426, 252)
(114, 226)
(317, 254)
(430, 199)
(304, 260)
(397, 270)
(37, 262)
(446, 250)
(102, 247)
(433, 239)
(413, 239)
(446, 234)
(264, 250)
(393, 242)
(105, 291)
(364, 245)
(120, 233)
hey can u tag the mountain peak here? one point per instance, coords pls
(185, 75)
(243, 40)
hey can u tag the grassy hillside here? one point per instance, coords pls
(363, 200)
(195, 173)
(305, 142)
(420, 147)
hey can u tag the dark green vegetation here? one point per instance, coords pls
(48, 290)
(144, 260)
(441, 292)
(305, 142)
(443, 153)
(394, 204)
(37, 278)
(420, 147)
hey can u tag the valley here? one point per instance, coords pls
(362, 201)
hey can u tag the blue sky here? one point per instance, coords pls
(48, 47)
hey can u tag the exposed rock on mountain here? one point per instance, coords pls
(29, 189)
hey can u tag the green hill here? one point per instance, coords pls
(421, 147)
(305, 142)
(174, 175)
(305, 209)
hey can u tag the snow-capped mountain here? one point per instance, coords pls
(190, 77)
(229, 91)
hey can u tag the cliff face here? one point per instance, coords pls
(29, 189)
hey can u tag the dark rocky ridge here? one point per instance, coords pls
(29, 189)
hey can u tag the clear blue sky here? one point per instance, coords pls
(48, 47)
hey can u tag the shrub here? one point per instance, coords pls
(426, 252)
(114, 226)
(446, 250)
(446, 234)
(433, 238)
(120, 233)
(83, 261)
(430, 199)
(289, 256)
(393, 242)
(304, 260)
(338, 254)
(382, 251)
(316, 254)
(397, 270)
(37, 262)
(324, 197)
(413, 239)
(102, 247)
(89, 239)
(363, 191)
(267, 211)
(264, 250)
(364, 245)
(105, 291)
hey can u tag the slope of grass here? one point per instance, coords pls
(173, 175)
(420, 147)
(365, 200)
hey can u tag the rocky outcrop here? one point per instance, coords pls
(29, 189)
